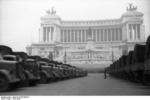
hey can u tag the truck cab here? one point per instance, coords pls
(46, 72)
(11, 72)
(30, 69)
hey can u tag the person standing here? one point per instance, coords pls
(105, 74)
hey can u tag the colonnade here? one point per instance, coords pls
(98, 35)
(47, 34)
(134, 31)
(71, 35)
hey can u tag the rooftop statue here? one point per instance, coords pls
(51, 12)
(131, 7)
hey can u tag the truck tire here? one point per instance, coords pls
(4, 84)
(43, 79)
(25, 83)
(33, 83)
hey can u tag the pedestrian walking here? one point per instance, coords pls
(105, 76)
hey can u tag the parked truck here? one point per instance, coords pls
(11, 74)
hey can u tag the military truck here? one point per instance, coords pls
(46, 74)
(5, 50)
(146, 76)
(32, 71)
(30, 68)
(11, 73)
(46, 69)
(138, 62)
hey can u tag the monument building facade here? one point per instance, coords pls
(90, 41)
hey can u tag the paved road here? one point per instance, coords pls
(93, 84)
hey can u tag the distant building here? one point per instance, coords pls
(91, 41)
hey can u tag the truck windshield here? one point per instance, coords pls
(29, 64)
(9, 58)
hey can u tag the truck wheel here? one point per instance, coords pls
(25, 82)
(33, 83)
(43, 79)
(4, 85)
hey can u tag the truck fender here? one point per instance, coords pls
(28, 74)
(45, 73)
(6, 74)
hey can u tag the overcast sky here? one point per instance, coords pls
(20, 19)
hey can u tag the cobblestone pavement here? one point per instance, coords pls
(93, 84)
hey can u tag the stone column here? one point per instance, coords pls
(121, 34)
(53, 35)
(84, 35)
(139, 27)
(81, 36)
(41, 32)
(130, 32)
(99, 32)
(127, 32)
(142, 32)
(114, 36)
(46, 33)
(118, 34)
(78, 36)
(135, 31)
(106, 34)
(63, 36)
(70, 36)
(110, 34)
(71, 32)
(103, 35)
(115, 33)
(67, 36)
(96, 36)
(50, 34)
(92, 34)
(73, 35)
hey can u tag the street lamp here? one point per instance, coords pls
(65, 57)
(112, 55)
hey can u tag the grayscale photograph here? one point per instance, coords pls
(75, 47)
